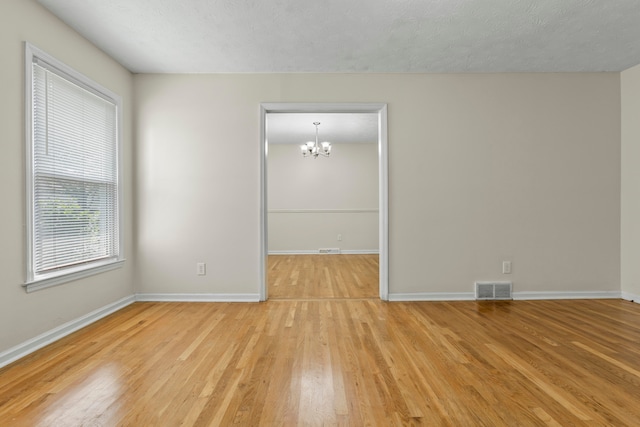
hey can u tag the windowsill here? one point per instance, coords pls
(47, 282)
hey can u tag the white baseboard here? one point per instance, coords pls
(315, 252)
(298, 252)
(470, 296)
(567, 295)
(630, 297)
(29, 346)
(198, 297)
(432, 296)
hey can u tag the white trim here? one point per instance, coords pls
(432, 296)
(198, 297)
(630, 297)
(306, 107)
(296, 252)
(28, 158)
(70, 276)
(315, 252)
(567, 295)
(383, 202)
(29, 346)
(383, 177)
(522, 296)
(321, 211)
(264, 245)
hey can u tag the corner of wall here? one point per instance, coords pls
(630, 182)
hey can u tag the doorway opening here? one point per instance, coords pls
(380, 112)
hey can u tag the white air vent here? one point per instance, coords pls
(494, 290)
(329, 250)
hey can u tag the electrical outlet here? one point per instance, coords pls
(201, 269)
(506, 267)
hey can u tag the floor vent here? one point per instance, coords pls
(329, 250)
(494, 290)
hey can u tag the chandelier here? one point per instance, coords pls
(313, 149)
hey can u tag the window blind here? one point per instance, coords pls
(74, 173)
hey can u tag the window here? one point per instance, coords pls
(73, 174)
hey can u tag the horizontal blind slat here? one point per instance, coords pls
(75, 173)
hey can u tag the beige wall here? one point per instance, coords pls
(630, 230)
(345, 184)
(482, 168)
(24, 316)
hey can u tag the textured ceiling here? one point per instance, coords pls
(435, 36)
(337, 128)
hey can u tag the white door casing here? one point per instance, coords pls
(383, 200)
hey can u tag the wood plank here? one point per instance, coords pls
(323, 276)
(337, 362)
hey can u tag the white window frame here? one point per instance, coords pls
(40, 281)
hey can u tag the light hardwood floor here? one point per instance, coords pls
(323, 276)
(337, 362)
